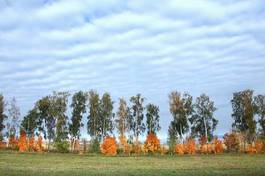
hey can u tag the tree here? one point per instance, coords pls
(202, 120)
(243, 113)
(260, 110)
(123, 118)
(2, 116)
(59, 108)
(172, 137)
(46, 120)
(14, 114)
(29, 123)
(181, 108)
(93, 123)
(106, 115)
(79, 108)
(152, 118)
(137, 126)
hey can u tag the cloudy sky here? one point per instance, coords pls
(125, 47)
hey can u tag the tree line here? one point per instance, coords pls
(192, 117)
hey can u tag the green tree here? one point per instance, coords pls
(106, 115)
(122, 121)
(2, 116)
(93, 123)
(79, 108)
(181, 109)
(243, 113)
(59, 108)
(152, 118)
(172, 137)
(29, 122)
(137, 125)
(260, 110)
(202, 120)
(14, 114)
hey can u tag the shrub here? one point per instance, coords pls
(152, 143)
(22, 142)
(232, 142)
(94, 146)
(38, 145)
(109, 146)
(218, 146)
(179, 149)
(190, 146)
(62, 146)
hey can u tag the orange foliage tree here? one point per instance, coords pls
(109, 146)
(232, 142)
(179, 149)
(31, 143)
(125, 146)
(22, 142)
(38, 144)
(218, 146)
(190, 146)
(152, 143)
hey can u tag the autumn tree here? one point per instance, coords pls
(2, 116)
(29, 122)
(181, 108)
(106, 115)
(78, 106)
(203, 122)
(137, 126)
(172, 137)
(243, 113)
(14, 114)
(152, 119)
(259, 101)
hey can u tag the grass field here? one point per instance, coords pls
(51, 164)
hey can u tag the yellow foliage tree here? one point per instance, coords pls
(31, 144)
(109, 146)
(39, 147)
(125, 146)
(218, 146)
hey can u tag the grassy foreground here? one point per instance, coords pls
(51, 164)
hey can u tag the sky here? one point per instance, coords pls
(124, 47)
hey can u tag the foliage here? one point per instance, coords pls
(181, 108)
(179, 149)
(190, 146)
(31, 144)
(202, 120)
(62, 146)
(232, 142)
(22, 142)
(152, 118)
(243, 113)
(125, 145)
(38, 144)
(109, 146)
(137, 125)
(13, 142)
(218, 146)
(152, 143)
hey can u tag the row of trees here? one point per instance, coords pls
(194, 118)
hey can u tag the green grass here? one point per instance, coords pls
(51, 164)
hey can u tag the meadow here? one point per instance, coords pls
(55, 164)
